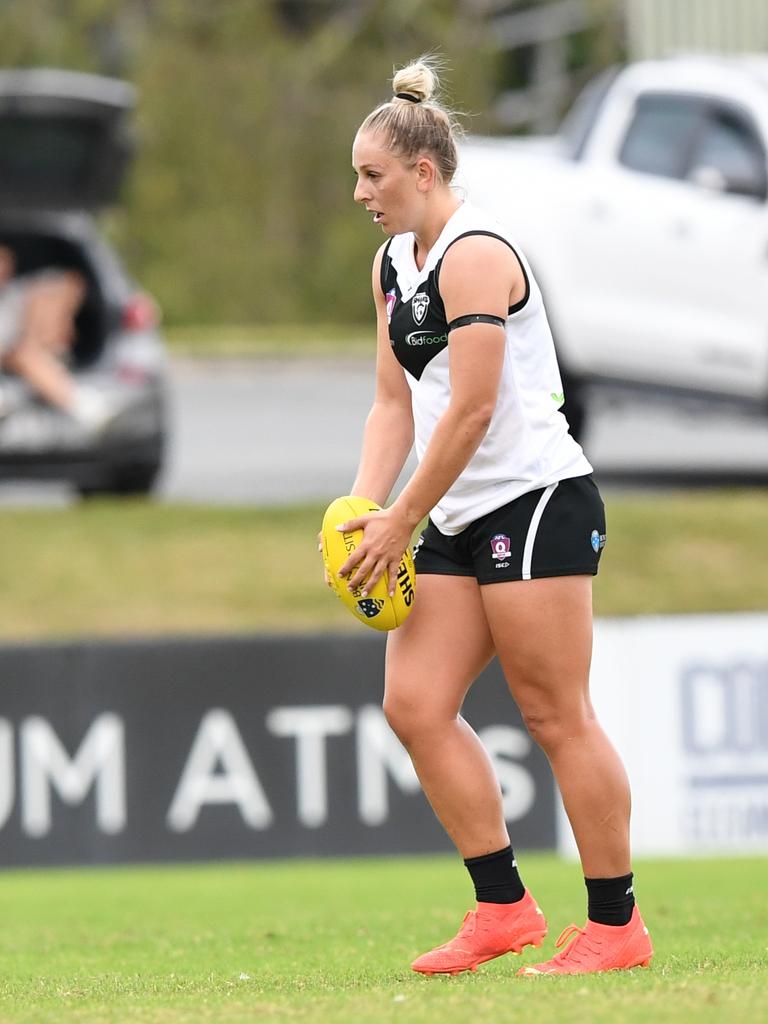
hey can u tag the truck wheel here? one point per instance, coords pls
(575, 407)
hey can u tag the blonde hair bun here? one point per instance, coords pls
(418, 79)
(414, 122)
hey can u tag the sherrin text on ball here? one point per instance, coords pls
(375, 609)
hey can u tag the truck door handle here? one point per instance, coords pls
(598, 209)
(681, 229)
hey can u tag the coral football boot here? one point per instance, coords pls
(490, 931)
(598, 947)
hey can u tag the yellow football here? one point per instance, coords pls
(377, 610)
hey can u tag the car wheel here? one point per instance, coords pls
(122, 481)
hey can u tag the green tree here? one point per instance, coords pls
(240, 206)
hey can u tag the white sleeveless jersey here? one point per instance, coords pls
(527, 445)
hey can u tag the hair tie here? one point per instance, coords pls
(407, 96)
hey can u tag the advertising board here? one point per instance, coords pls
(277, 747)
(238, 747)
(685, 701)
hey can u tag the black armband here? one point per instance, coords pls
(476, 318)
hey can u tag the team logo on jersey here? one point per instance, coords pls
(420, 305)
(501, 546)
(597, 540)
(391, 298)
(370, 607)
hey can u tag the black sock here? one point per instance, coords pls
(610, 900)
(495, 877)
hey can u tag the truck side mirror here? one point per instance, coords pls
(709, 178)
(714, 180)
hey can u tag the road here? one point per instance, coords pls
(276, 432)
(248, 432)
(266, 431)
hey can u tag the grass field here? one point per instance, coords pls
(330, 943)
(137, 567)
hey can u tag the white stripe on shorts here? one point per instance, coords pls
(530, 538)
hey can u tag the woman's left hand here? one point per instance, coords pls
(386, 535)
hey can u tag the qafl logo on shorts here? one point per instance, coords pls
(420, 305)
(501, 546)
(597, 540)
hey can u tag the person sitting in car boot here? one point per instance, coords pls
(37, 329)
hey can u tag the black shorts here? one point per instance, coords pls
(556, 531)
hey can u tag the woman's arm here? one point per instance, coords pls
(479, 275)
(388, 436)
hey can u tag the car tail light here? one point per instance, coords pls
(140, 313)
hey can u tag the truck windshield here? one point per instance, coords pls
(577, 124)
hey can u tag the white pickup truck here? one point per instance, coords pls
(646, 223)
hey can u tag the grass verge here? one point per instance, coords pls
(330, 943)
(272, 340)
(117, 568)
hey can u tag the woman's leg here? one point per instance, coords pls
(542, 632)
(43, 372)
(432, 660)
(51, 308)
(46, 333)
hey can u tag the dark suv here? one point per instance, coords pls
(64, 147)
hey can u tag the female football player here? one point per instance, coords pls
(466, 367)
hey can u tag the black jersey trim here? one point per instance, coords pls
(386, 262)
(476, 318)
(491, 234)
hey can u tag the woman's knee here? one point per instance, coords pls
(17, 359)
(402, 715)
(412, 720)
(550, 724)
